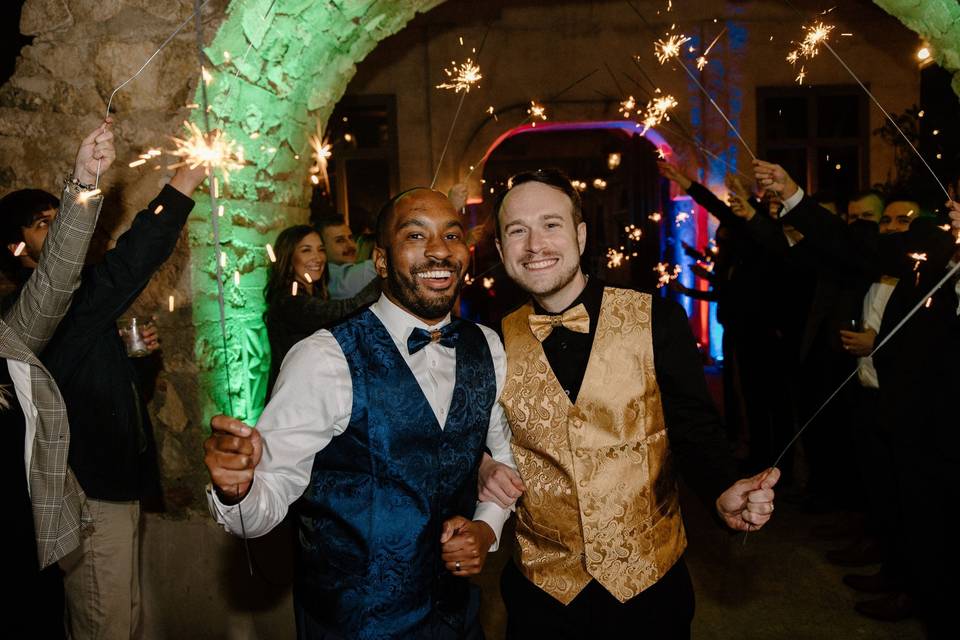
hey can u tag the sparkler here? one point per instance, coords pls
(460, 79)
(670, 49)
(536, 110)
(682, 217)
(216, 151)
(702, 59)
(655, 216)
(657, 111)
(614, 258)
(196, 12)
(321, 156)
(665, 275)
(628, 106)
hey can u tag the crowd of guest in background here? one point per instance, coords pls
(807, 288)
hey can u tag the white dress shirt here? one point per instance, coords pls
(873, 305)
(312, 402)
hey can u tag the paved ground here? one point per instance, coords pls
(777, 586)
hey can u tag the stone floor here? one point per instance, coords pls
(776, 585)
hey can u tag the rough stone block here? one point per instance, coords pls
(44, 16)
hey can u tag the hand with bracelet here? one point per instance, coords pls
(95, 155)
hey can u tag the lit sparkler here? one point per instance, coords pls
(322, 151)
(536, 110)
(665, 275)
(634, 232)
(628, 106)
(655, 216)
(657, 111)
(682, 217)
(670, 48)
(217, 152)
(614, 258)
(461, 77)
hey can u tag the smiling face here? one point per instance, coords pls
(340, 245)
(309, 259)
(422, 254)
(541, 244)
(898, 215)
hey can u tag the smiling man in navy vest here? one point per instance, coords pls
(605, 397)
(376, 429)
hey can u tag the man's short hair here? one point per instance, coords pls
(18, 209)
(325, 222)
(870, 193)
(552, 178)
(385, 215)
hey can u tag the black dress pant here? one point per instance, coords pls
(664, 611)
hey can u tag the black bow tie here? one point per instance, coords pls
(447, 336)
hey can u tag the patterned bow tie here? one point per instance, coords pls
(447, 336)
(575, 319)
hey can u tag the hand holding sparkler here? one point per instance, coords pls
(96, 151)
(748, 504)
(672, 173)
(233, 451)
(954, 208)
(740, 205)
(187, 179)
(773, 178)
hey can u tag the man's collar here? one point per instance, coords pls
(399, 322)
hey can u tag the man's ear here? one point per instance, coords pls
(380, 261)
(582, 236)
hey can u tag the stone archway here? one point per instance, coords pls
(286, 70)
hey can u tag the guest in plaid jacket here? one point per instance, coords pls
(47, 502)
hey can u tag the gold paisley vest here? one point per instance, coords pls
(601, 499)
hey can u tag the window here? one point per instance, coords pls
(363, 165)
(820, 135)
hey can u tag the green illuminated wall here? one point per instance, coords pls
(938, 21)
(276, 75)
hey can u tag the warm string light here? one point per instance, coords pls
(19, 249)
(170, 304)
(270, 254)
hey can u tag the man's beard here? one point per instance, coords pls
(406, 288)
(561, 280)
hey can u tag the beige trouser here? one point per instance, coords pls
(102, 577)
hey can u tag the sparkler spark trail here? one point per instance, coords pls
(665, 275)
(322, 151)
(471, 75)
(537, 110)
(702, 60)
(216, 151)
(461, 77)
(657, 111)
(628, 106)
(670, 48)
(614, 258)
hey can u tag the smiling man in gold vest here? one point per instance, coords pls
(605, 395)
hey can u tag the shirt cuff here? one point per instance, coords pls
(228, 515)
(791, 202)
(495, 516)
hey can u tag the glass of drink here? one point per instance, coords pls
(131, 331)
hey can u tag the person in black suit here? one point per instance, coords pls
(917, 362)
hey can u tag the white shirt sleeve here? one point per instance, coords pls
(791, 202)
(311, 404)
(498, 438)
(347, 280)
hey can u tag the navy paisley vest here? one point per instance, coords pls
(371, 517)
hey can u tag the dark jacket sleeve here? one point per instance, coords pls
(699, 447)
(709, 201)
(853, 247)
(107, 289)
(306, 314)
